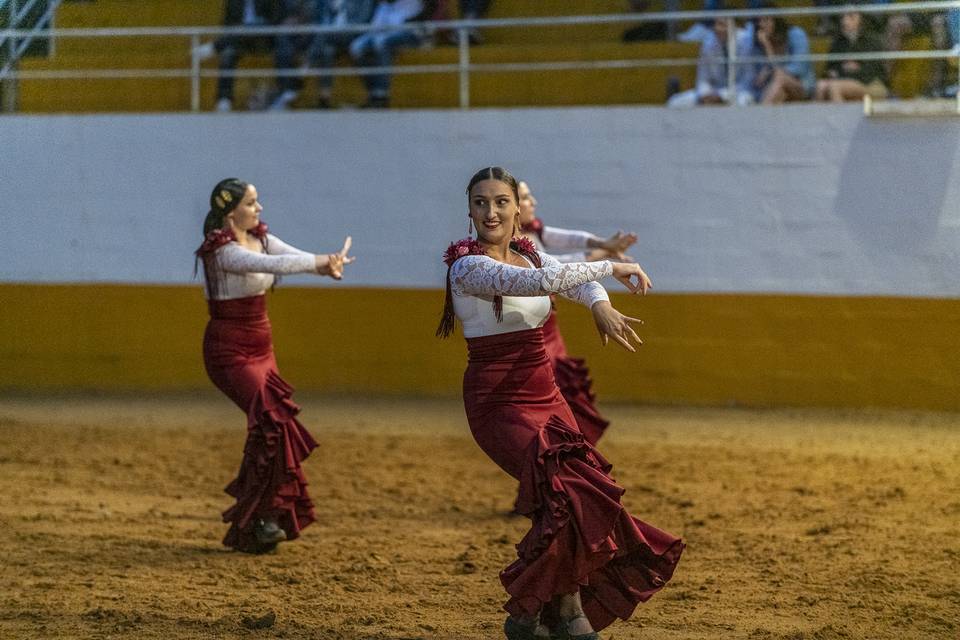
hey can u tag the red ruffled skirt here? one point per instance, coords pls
(581, 537)
(573, 378)
(238, 354)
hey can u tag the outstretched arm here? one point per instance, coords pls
(555, 238)
(234, 258)
(276, 246)
(587, 294)
(482, 275)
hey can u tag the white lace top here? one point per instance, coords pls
(556, 240)
(475, 280)
(250, 273)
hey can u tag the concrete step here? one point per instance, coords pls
(139, 13)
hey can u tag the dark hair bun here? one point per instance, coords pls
(225, 197)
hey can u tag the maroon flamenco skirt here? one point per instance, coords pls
(581, 538)
(573, 378)
(238, 354)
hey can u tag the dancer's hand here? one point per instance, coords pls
(625, 272)
(613, 324)
(335, 262)
(618, 243)
(602, 254)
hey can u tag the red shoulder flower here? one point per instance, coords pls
(260, 231)
(524, 245)
(214, 240)
(460, 248)
(534, 226)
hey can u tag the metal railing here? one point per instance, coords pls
(14, 41)
(464, 68)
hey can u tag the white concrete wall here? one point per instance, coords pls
(805, 199)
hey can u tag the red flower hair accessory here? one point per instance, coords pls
(460, 248)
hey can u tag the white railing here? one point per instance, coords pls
(16, 41)
(464, 67)
(14, 46)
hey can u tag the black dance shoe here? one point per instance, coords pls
(517, 631)
(258, 549)
(268, 532)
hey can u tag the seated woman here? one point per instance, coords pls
(852, 79)
(781, 81)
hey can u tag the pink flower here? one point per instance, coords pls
(462, 251)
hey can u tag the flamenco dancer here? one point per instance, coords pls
(585, 561)
(573, 376)
(240, 260)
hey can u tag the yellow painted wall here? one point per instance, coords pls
(752, 350)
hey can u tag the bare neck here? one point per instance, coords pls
(499, 252)
(240, 234)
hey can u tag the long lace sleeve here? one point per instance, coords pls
(484, 276)
(588, 293)
(556, 238)
(276, 246)
(235, 259)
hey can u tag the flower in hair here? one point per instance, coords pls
(460, 248)
(524, 245)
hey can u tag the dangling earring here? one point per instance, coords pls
(516, 226)
(470, 226)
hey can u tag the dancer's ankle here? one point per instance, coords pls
(577, 624)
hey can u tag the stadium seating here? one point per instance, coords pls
(532, 44)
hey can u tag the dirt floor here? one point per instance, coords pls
(800, 524)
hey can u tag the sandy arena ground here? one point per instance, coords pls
(801, 525)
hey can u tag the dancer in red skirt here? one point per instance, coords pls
(240, 259)
(573, 376)
(585, 561)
